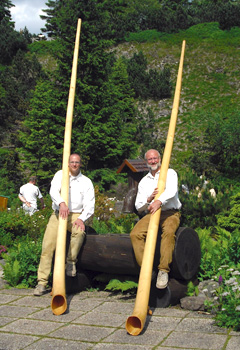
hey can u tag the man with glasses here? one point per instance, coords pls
(170, 216)
(79, 209)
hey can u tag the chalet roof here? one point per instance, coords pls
(135, 165)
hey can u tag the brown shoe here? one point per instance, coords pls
(40, 290)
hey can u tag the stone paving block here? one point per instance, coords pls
(117, 308)
(82, 333)
(57, 344)
(16, 311)
(83, 305)
(48, 315)
(32, 301)
(195, 340)
(163, 323)
(15, 341)
(17, 291)
(6, 320)
(25, 326)
(112, 346)
(234, 333)
(147, 338)
(170, 312)
(164, 348)
(199, 325)
(101, 319)
(199, 314)
(5, 298)
(233, 343)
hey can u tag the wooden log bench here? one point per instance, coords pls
(113, 254)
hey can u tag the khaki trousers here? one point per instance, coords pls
(49, 245)
(169, 223)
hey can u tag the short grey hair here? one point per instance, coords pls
(152, 150)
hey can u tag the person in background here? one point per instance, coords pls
(28, 194)
(170, 216)
(79, 209)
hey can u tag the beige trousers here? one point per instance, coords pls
(49, 245)
(169, 223)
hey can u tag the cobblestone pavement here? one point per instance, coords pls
(96, 320)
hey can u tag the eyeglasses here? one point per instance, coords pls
(74, 162)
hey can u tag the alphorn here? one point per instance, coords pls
(59, 301)
(135, 323)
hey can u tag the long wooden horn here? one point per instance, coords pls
(59, 302)
(135, 323)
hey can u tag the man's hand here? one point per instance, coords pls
(63, 210)
(154, 206)
(151, 198)
(80, 224)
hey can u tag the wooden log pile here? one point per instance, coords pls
(113, 254)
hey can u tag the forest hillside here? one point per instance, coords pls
(127, 73)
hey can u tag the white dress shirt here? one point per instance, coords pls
(81, 194)
(169, 197)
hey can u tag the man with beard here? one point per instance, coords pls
(170, 215)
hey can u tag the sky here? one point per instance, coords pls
(26, 13)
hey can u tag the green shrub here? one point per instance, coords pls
(22, 263)
(226, 305)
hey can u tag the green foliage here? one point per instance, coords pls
(118, 283)
(42, 134)
(9, 178)
(22, 262)
(192, 289)
(223, 247)
(150, 35)
(123, 285)
(10, 42)
(15, 224)
(12, 272)
(3, 250)
(230, 221)
(151, 84)
(199, 207)
(223, 136)
(226, 305)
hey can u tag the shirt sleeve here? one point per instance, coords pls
(88, 202)
(171, 187)
(39, 194)
(55, 189)
(142, 196)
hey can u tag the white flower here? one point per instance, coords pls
(231, 280)
(224, 294)
(238, 308)
(230, 270)
(235, 273)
